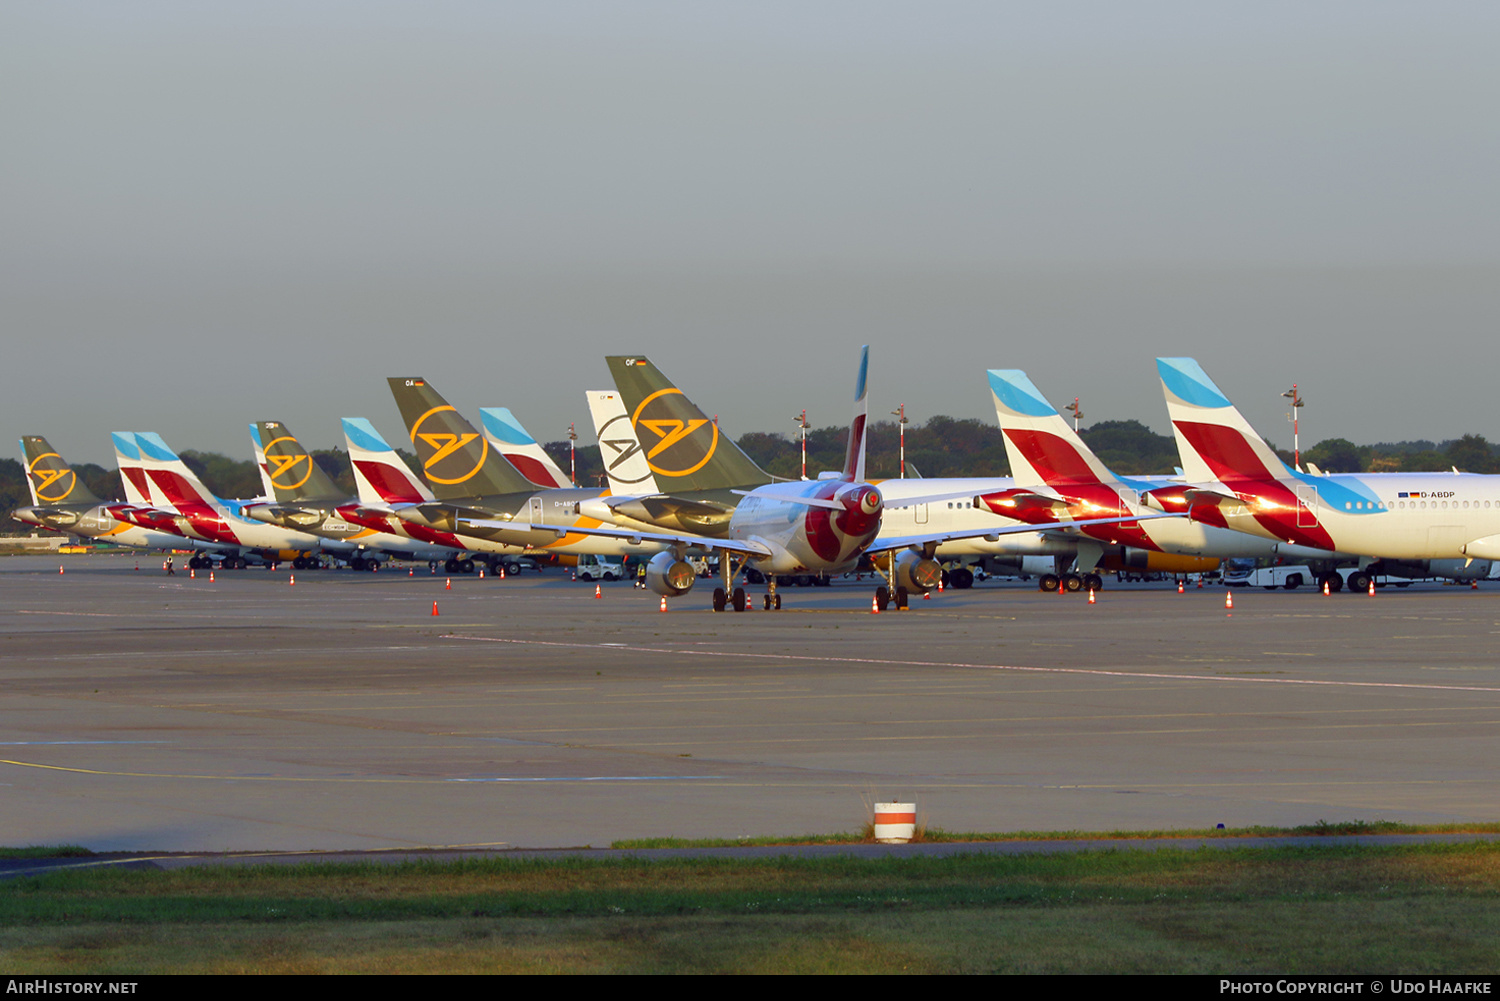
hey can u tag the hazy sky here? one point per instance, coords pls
(217, 213)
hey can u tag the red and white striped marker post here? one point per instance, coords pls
(895, 823)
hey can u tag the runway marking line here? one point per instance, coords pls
(1097, 672)
(346, 779)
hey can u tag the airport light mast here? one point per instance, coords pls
(1297, 402)
(900, 414)
(572, 457)
(1077, 414)
(801, 421)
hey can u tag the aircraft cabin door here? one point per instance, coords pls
(1307, 506)
(536, 511)
(921, 514)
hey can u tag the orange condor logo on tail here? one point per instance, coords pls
(55, 481)
(682, 447)
(450, 461)
(285, 465)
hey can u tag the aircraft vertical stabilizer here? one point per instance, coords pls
(1041, 445)
(624, 460)
(854, 454)
(381, 477)
(288, 472)
(1214, 439)
(456, 459)
(520, 449)
(683, 447)
(49, 477)
(132, 470)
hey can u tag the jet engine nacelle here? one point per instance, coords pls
(1452, 569)
(668, 576)
(916, 573)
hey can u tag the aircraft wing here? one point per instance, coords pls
(938, 538)
(664, 538)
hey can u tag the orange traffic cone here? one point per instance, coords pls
(481, 574)
(1228, 599)
(927, 596)
(411, 571)
(598, 593)
(502, 573)
(434, 608)
(1473, 585)
(447, 583)
(663, 603)
(192, 575)
(875, 605)
(1091, 596)
(210, 576)
(1372, 587)
(1325, 588)
(1179, 587)
(59, 569)
(293, 581)
(1062, 585)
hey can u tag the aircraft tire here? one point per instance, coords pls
(776, 603)
(1073, 582)
(720, 600)
(1048, 582)
(1359, 581)
(739, 601)
(903, 599)
(882, 598)
(962, 578)
(1094, 582)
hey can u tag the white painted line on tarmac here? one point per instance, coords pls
(1097, 672)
